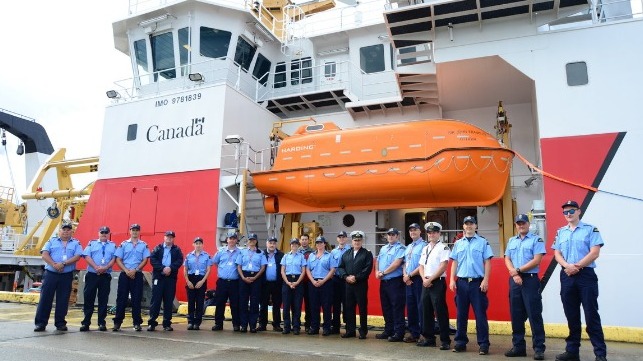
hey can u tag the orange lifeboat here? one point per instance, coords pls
(430, 163)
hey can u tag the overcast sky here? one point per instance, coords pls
(57, 61)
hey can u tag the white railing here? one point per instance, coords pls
(240, 156)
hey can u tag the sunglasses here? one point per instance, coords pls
(104, 232)
(569, 211)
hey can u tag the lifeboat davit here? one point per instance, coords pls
(430, 163)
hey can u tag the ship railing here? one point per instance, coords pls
(141, 6)
(615, 10)
(237, 157)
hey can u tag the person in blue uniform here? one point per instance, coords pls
(271, 289)
(293, 269)
(355, 268)
(131, 257)
(320, 272)
(413, 282)
(227, 283)
(576, 248)
(250, 265)
(306, 250)
(60, 255)
(433, 269)
(522, 257)
(196, 271)
(471, 264)
(166, 259)
(389, 264)
(99, 255)
(339, 286)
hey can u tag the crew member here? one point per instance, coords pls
(131, 257)
(99, 255)
(576, 248)
(60, 255)
(166, 259)
(389, 264)
(320, 271)
(227, 283)
(271, 290)
(250, 265)
(413, 282)
(306, 250)
(433, 269)
(196, 272)
(522, 258)
(471, 257)
(339, 286)
(355, 268)
(293, 269)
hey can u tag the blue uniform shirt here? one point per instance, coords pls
(575, 245)
(412, 255)
(101, 253)
(167, 257)
(293, 263)
(197, 265)
(251, 260)
(388, 254)
(132, 255)
(521, 251)
(336, 256)
(226, 261)
(271, 268)
(319, 267)
(470, 255)
(58, 253)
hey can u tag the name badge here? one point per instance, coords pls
(156, 282)
(196, 273)
(64, 257)
(102, 261)
(229, 263)
(271, 264)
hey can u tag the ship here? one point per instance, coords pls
(222, 90)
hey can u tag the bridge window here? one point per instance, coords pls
(407, 50)
(184, 50)
(330, 69)
(301, 69)
(262, 68)
(244, 53)
(371, 58)
(214, 42)
(280, 75)
(140, 52)
(577, 73)
(163, 56)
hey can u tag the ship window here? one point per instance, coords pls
(140, 51)
(280, 75)
(163, 56)
(301, 69)
(408, 49)
(330, 70)
(371, 58)
(244, 53)
(392, 55)
(577, 73)
(262, 68)
(184, 50)
(214, 42)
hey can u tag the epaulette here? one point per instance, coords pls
(446, 248)
(540, 240)
(595, 229)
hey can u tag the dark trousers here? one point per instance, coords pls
(306, 294)
(434, 302)
(577, 290)
(469, 294)
(525, 302)
(270, 293)
(227, 289)
(96, 284)
(339, 302)
(163, 289)
(392, 298)
(292, 304)
(414, 306)
(356, 295)
(58, 284)
(320, 297)
(127, 286)
(196, 297)
(249, 297)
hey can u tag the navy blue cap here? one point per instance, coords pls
(252, 236)
(471, 219)
(433, 227)
(233, 235)
(571, 204)
(104, 229)
(320, 239)
(170, 233)
(66, 225)
(392, 231)
(295, 240)
(198, 240)
(415, 225)
(272, 239)
(342, 234)
(522, 218)
(135, 226)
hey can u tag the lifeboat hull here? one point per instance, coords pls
(438, 163)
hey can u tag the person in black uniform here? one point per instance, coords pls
(355, 267)
(271, 291)
(166, 259)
